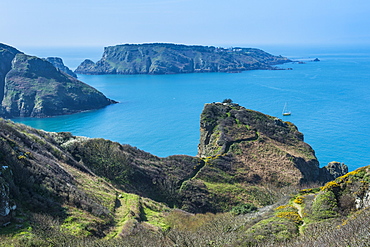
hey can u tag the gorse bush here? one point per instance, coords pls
(325, 206)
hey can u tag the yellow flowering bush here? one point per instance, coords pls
(330, 185)
(299, 200)
(292, 216)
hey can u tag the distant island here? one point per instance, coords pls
(35, 87)
(166, 58)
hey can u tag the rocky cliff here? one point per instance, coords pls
(171, 58)
(264, 148)
(33, 87)
(7, 54)
(58, 63)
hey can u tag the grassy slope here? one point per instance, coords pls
(85, 204)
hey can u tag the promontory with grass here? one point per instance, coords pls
(167, 58)
(34, 87)
(254, 182)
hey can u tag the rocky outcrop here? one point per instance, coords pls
(58, 63)
(266, 148)
(172, 59)
(333, 170)
(33, 87)
(4, 202)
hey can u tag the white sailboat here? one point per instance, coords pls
(285, 111)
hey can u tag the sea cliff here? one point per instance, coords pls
(162, 58)
(33, 87)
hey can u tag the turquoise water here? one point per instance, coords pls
(329, 101)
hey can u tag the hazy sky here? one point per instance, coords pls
(232, 22)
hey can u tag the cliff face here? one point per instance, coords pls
(172, 58)
(33, 87)
(7, 54)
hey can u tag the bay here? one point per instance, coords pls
(329, 101)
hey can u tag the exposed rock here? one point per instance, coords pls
(171, 59)
(58, 63)
(363, 201)
(33, 87)
(333, 170)
(5, 204)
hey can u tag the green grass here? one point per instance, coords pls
(79, 222)
(274, 228)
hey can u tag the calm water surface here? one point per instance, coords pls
(329, 101)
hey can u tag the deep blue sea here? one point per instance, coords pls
(329, 101)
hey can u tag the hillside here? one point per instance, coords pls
(162, 58)
(245, 186)
(33, 87)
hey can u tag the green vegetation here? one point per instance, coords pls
(61, 190)
(243, 209)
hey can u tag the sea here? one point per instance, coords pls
(329, 101)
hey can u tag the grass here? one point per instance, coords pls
(95, 187)
(231, 195)
(80, 223)
(128, 209)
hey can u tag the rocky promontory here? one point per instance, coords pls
(58, 63)
(33, 87)
(163, 58)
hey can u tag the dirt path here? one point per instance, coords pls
(301, 214)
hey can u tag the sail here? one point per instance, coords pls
(286, 112)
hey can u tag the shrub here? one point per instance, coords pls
(299, 200)
(243, 209)
(325, 206)
(292, 216)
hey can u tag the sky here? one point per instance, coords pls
(217, 22)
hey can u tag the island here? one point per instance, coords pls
(34, 87)
(167, 58)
